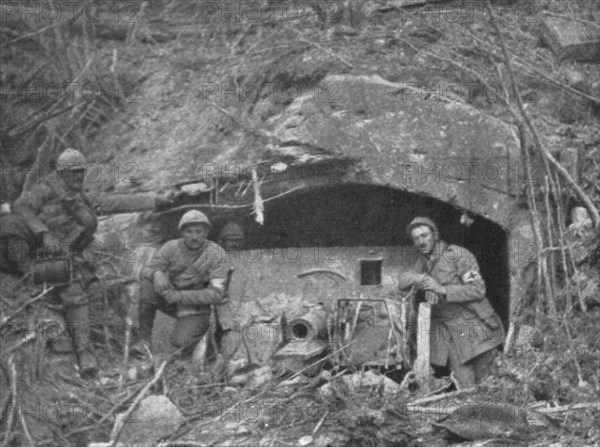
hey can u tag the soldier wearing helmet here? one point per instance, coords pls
(183, 279)
(232, 236)
(465, 328)
(56, 215)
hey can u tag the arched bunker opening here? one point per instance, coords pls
(358, 215)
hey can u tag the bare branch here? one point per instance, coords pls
(546, 155)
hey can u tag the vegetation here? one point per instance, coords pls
(79, 82)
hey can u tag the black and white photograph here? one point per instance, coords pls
(299, 223)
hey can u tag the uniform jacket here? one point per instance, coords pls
(49, 206)
(464, 320)
(199, 275)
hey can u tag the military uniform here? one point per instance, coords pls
(70, 216)
(199, 276)
(465, 329)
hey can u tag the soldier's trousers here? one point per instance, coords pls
(475, 370)
(188, 330)
(73, 300)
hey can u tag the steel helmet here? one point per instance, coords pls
(71, 159)
(420, 221)
(193, 216)
(232, 230)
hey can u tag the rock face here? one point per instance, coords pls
(405, 139)
(570, 39)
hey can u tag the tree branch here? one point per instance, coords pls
(546, 155)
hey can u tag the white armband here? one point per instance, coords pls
(470, 276)
(218, 283)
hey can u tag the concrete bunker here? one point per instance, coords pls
(391, 162)
(359, 230)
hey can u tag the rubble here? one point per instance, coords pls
(298, 380)
(255, 378)
(155, 416)
(571, 39)
(479, 421)
(364, 380)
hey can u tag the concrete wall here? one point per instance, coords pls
(266, 283)
(266, 280)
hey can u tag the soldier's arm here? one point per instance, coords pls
(472, 286)
(215, 292)
(204, 297)
(105, 204)
(29, 204)
(160, 261)
(408, 278)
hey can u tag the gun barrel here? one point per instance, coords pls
(310, 326)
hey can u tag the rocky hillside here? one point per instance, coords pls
(160, 92)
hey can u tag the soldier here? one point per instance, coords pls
(183, 279)
(465, 328)
(232, 237)
(57, 216)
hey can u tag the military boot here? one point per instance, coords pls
(88, 366)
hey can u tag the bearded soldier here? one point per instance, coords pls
(465, 329)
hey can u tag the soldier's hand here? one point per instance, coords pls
(431, 284)
(432, 298)
(51, 244)
(172, 295)
(161, 281)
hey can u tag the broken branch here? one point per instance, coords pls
(21, 343)
(573, 407)
(231, 207)
(546, 155)
(13, 403)
(33, 300)
(25, 428)
(326, 51)
(428, 400)
(114, 436)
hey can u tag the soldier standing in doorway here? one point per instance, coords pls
(465, 329)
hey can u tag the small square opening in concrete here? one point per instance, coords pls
(370, 272)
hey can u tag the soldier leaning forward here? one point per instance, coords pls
(465, 328)
(56, 217)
